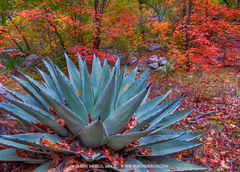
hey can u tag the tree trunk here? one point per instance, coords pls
(187, 34)
(98, 20)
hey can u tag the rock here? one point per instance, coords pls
(152, 59)
(141, 67)
(154, 47)
(31, 60)
(162, 68)
(132, 60)
(153, 65)
(162, 61)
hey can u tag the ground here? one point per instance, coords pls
(216, 96)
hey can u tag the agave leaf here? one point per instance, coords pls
(145, 98)
(118, 120)
(21, 115)
(119, 80)
(177, 165)
(54, 78)
(80, 63)
(166, 111)
(33, 139)
(189, 137)
(171, 146)
(153, 139)
(156, 114)
(151, 104)
(73, 73)
(87, 94)
(15, 145)
(172, 119)
(28, 88)
(94, 135)
(23, 97)
(40, 115)
(104, 104)
(11, 155)
(44, 167)
(117, 142)
(154, 166)
(72, 100)
(72, 120)
(96, 76)
(35, 85)
(134, 89)
(105, 77)
(94, 157)
(130, 78)
(131, 163)
(166, 132)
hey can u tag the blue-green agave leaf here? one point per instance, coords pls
(117, 142)
(43, 168)
(72, 99)
(87, 94)
(117, 121)
(104, 104)
(72, 120)
(74, 74)
(15, 145)
(171, 146)
(151, 104)
(40, 115)
(172, 119)
(177, 165)
(96, 75)
(94, 135)
(11, 155)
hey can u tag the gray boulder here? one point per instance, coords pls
(152, 59)
(162, 61)
(155, 47)
(32, 60)
(132, 60)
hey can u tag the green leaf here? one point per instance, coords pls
(123, 114)
(172, 119)
(104, 104)
(177, 165)
(54, 78)
(15, 145)
(40, 115)
(23, 97)
(21, 115)
(29, 89)
(72, 100)
(189, 137)
(72, 120)
(87, 94)
(44, 167)
(119, 80)
(156, 114)
(134, 89)
(11, 155)
(96, 76)
(169, 147)
(117, 142)
(74, 74)
(131, 163)
(33, 139)
(94, 135)
(130, 78)
(166, 112)
(151, 104)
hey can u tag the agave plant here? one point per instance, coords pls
(99, 119)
